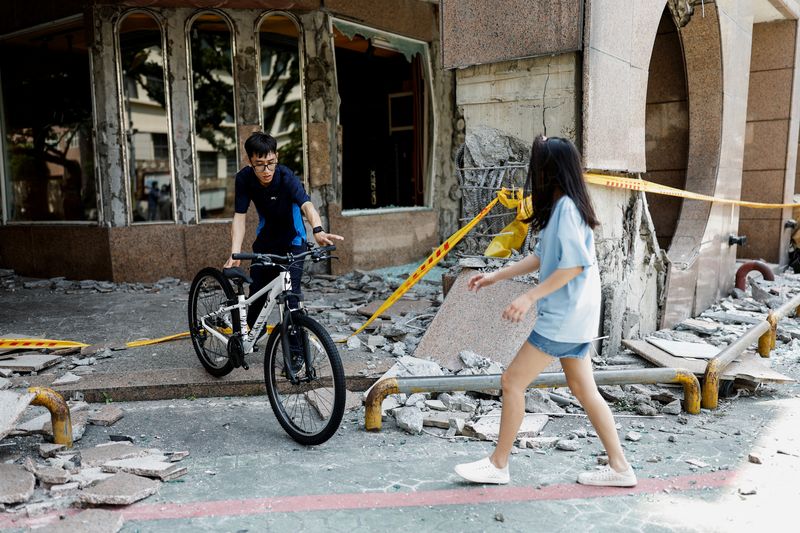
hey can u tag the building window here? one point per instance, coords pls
(146, 123)
(281, 92)
(384, 112)
(47, 125)
(232, 164)
(212, 101)
(208, 165)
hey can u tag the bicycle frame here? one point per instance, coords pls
(282, 283)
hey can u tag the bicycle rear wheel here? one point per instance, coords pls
(209, 292)
(311, 410)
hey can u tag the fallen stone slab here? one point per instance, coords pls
(538, 401)
(107, 416)
(120, 489)
(47, 449)
(29, 362)
(16, 484)
(52, 475)
(487, 427)
(90, 476)
(12, 405)
(472, 321)
(158, 466)
(64, 488)
(442, 419)
(89, 521)
(538, 443)
(99, 455)
(700, 326)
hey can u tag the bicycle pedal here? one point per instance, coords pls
(244, 365)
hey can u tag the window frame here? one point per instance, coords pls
(301, 51)
(187, 33)
(430, 132)
(123, 124)
(4, 219)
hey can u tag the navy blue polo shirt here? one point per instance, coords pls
(280, 222)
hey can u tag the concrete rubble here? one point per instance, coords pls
(116, 473)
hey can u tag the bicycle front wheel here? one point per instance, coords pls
(209, 292)
(311, 409)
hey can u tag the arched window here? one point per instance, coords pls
(281, 90)
(145, 118)
(215, 139)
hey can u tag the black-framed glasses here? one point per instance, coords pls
(263, 168)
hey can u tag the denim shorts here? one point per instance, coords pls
(575, 350)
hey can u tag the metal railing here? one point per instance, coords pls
(410, 385)
(764, 332)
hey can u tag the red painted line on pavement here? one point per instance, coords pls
(382, 500)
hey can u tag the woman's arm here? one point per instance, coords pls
(523, 266)
(522, 304)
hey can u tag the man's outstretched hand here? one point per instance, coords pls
(326, 239)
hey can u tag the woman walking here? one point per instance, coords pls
(567, 300)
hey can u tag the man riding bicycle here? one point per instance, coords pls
(281, 202)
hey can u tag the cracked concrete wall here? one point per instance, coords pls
(523, 97)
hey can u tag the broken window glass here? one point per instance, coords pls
(384, 117)
(145, 126)
(47, 125)
(215, 136)
(281, 93)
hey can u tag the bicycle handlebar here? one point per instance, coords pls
(317, 254)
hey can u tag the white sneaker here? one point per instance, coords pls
(483, 471)
(608, 477)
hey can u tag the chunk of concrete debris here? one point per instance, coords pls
(47, 449)
(748, 491)
(390, 403)
(633, 436)
(79, 421)
(157, 466)
(755, 458)
(416, 398)
(89, 476)
(120, 489)
(89, 521)
(353, 343)
(612, 393)
(99, 455)
(106, 416)
(646, 410)
(376, 341)
(410, 366)
(5, 383)
(672, 408)
(177, 456)
(67, 378)
(442, 419)
(52, 475)
(696, 462)
(436, 405)
(568, 445)
(487, 427)
(538, 443)
(409, 419)
(701, 326)
(12, 405)
(16, 484)
(64, 488)
(538, 401)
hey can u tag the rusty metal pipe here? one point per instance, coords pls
(59, 413)
(410, 385)
(764, 333)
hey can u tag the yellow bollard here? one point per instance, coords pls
(766, 342)
(59, 413)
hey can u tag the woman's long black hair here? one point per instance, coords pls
(556, 164)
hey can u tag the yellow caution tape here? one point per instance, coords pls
(148, 342)
(618, 182)
(38, 344)
(432, 260)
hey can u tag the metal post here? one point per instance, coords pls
(59, 413)
(410, 385)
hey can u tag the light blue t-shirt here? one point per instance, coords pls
(572, 313)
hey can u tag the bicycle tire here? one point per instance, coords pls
(275, 380)
(212, 361)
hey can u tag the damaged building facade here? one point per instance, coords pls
(699, 95)
(122, 125)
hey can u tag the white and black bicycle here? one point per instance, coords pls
(302, 369)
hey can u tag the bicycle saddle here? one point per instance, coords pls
(236, 274)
